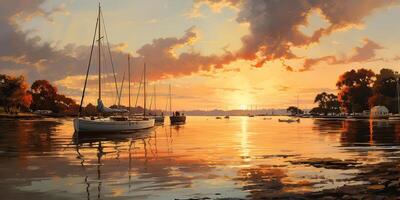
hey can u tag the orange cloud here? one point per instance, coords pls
(365, 53)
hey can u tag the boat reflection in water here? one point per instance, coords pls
(84, 141)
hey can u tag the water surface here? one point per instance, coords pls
(237, 157)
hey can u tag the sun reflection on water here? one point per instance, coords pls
(244, 143)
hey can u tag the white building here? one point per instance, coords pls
(379, 112)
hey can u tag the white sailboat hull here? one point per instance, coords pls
(107, 125)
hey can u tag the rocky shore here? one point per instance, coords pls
(378, 181)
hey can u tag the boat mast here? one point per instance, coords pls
(88, 67)
(297, 110)
(99, 43)
(129, 83)
(144, 90)
(170, 103)
(155, 103)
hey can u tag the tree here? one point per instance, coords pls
(384, 90)
(327, 103)
(66, 105)
(13, 93)
(355, 89)
(44, 96)
(90, 110)
(316, 111)
(294, 110)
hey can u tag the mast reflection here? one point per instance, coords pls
(97, 141)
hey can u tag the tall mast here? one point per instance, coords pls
(170, 103)
(144, 89)
(155, 103)
(99, 43)
(297, 110)
(129, 83)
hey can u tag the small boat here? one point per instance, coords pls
(289, 120)
(159, 118)
(176, 118)
(267, 118)
(218, 118)
(226, 117)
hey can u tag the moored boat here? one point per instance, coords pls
(176, 118)
(116, 123)
(111, 125)
(289, 120)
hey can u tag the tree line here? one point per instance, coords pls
(360, 90)
(16, 96)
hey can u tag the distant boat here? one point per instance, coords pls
(226, 117)
(159, 119)
(113, 123)
(289, 120)
(176, 118)
(218, 117)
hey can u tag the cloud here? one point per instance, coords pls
(274, 30)
(365, 53)
(38, 59)
(215, 5)
(163, 62)
(274, 25)
(31, 55)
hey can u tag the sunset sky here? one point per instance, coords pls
(225, 54)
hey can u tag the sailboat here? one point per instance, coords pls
(397, 116)
(113, 123)
(176, 117)
(159, 119)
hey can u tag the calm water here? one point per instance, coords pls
(235, 157)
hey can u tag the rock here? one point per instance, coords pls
(328, 198)
(346, 197)
(376, 187)
(394, 184)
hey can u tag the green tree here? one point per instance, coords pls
(293, 110)
(14, 94)
(355, 89)
(384, 90)
(327, 103)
